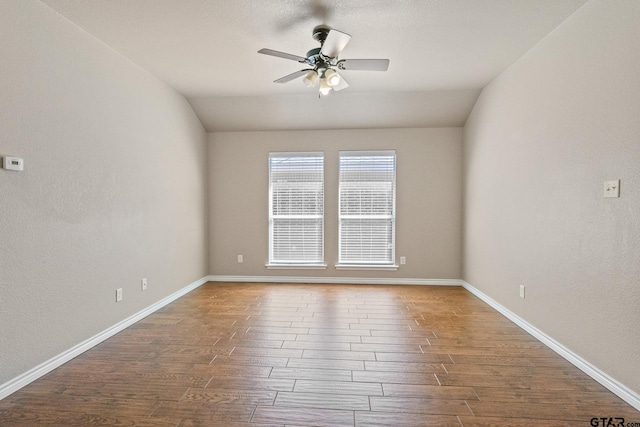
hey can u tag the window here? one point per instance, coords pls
(367, 208)
(296, 209)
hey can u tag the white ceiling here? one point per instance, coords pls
(442, 53)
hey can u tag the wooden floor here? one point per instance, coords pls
(318, 355)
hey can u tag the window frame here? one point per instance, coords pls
(274, 263)
(390, 262)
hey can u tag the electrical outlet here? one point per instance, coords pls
(403, 260)
(612, 188)
(118, 294)
(144, 284)
(521, 291)
(240, 259)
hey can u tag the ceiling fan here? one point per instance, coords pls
(324, 63)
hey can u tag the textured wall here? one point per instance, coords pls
(539, 143)
(114, 187)
(428, 201)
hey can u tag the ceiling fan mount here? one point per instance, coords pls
(320, 33)
(324, 61)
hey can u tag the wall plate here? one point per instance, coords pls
(612, 188)
(13, 163)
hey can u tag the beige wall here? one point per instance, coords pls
(114, 187)
(428, 201)
(539, 143)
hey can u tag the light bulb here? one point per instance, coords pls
(333, 78)
(310, 79)
(324, 86)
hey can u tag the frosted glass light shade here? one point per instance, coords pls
(324, 86)
(310, 79)
(333, 78)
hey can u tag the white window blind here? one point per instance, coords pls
(367, 208)
(296, 208)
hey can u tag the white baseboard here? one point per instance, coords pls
(31, 375)
(336, 280)
(615, 386)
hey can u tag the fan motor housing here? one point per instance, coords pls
(313, 52)
(317, 60)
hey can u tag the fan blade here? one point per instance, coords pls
(292, 76)
(282, 55)
(335, 42)
(364, 64)
(342, 84)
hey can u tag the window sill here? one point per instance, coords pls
(296, 266)
(366, 267)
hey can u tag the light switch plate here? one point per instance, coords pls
(612, 188)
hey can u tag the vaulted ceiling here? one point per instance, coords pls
(442, 53)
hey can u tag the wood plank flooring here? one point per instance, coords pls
(236, 354)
